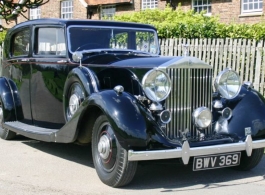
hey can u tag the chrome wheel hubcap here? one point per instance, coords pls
(104, 147)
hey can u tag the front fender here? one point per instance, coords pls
(248, 112)
(126, 118)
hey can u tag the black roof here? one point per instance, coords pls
(68, 22)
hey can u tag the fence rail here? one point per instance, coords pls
(247, 57)
(242, 55)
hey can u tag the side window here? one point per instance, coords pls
(50, 41)
(20, 44)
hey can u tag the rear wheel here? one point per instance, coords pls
(249, 162)
(4, 133)
(110, 158)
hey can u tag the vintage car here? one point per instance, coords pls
(104, 83)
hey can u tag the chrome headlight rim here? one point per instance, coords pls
(197, 114)
(146, 76)
(218, 79)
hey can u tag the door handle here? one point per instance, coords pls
(61, 61)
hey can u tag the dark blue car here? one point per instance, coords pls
(104, 83)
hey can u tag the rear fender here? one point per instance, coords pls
(11, 100)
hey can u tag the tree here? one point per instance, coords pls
(11, 9)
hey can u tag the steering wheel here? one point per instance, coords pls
(89, 46)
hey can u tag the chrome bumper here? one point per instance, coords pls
(186, 152)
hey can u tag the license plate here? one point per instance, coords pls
(216, 161)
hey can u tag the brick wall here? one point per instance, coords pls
(51, 9)
(227, 10)
(230, 11)
(79, 10)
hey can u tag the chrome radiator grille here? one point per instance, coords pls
(191, 88)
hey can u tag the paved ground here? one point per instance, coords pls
(31, 167)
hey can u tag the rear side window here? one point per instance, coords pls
(50, 41)
(20, 44)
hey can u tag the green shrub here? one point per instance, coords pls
(2, 36)
(189, 24)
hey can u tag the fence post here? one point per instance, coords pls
(258, 67)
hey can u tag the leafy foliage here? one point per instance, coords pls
(189, 24)
(10, 9)
(2, 36)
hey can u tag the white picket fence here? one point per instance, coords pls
(247, 57)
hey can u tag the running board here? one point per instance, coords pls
(31, 131)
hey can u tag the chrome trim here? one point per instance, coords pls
(161, 116)
(217, 104)
(185, 62)
(156, 106)
(118, 89)
(223, 113)
(217, 81)
(197, 112)
(91, 75)
(77, 56)
(144, 80)
(191, 89)
(248, 84)
(186, 152)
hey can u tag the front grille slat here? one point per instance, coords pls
(191, 88)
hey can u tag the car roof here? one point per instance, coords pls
(67, 22)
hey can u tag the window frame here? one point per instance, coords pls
(107, 8)
(153, 4)
(69, 6)
(36, 42)
(208, 5)
(36, 13)
(260, 10)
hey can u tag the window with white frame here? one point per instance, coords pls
(35, 13)
(67, 9)
(249, 6)
(202, 5)
(107, 11)
(149, 4)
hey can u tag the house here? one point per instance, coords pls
(238, 11)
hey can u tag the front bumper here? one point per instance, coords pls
(186, 152)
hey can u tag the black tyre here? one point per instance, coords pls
(110, 159)
(249, 162)
(4, 133)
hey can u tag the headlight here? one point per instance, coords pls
(202, 117)
(156, 85)
(228, 84)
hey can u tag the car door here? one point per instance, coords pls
(18, 68)
(49, 72)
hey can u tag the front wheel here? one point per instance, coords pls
(109, 157)
(249, 162)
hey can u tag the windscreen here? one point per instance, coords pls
(86, 38)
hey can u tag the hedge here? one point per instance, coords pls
(189, 24)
